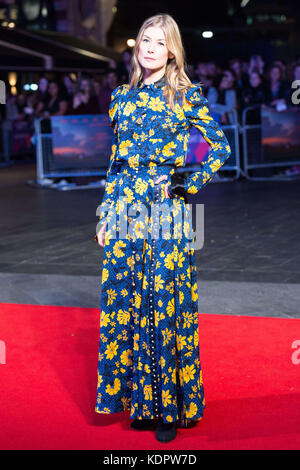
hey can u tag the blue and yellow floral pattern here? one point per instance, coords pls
(149, 361)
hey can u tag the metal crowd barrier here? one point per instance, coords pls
(253, 152)
(11, 131)
(6, 143)
(45, 173)
(232, 133)
(4, 159)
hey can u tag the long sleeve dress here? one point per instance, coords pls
(149, 362)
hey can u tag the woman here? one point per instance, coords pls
(56, 104)
(104, 94)
(42, 93)
(293, 101)
(277, 89)
(256, 63)
(149, 346)
(84, 100)
(254, 95)
(223, 105)
(242, 78)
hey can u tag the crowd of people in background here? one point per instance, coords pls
(228, 90)
(243, 84)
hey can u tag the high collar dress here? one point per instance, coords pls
(149, 358)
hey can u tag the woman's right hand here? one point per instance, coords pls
(165, 186)
(101, 235)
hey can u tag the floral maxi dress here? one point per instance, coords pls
(149, 361)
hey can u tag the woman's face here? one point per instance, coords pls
(275, 74)
(228, 79)
(153, 52)
(224, 82)
(67, 81)
(43, 84)
(297, 73)
(211, 69)
(84, 86)
(53, 89)
(201, 69)
(254, 80)
(126, 57)
(97, 86)
(236, 66)
(112, 79)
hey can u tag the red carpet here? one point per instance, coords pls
(48, 384)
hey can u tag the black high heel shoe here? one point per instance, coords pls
(142, 424)
(166, 432)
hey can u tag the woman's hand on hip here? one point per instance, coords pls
(165, 186)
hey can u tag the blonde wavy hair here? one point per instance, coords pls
(177, 81)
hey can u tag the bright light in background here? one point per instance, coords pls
(13, 90)
(130, 42)
(31, 86)
(114, 9)
(11, 25)
(12, 78)
(244, 3)
(207, 34)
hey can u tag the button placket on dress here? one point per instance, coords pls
(152, 342)
(134, 240)
(153, 356)
(152, 337)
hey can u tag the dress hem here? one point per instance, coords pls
(183, 423)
